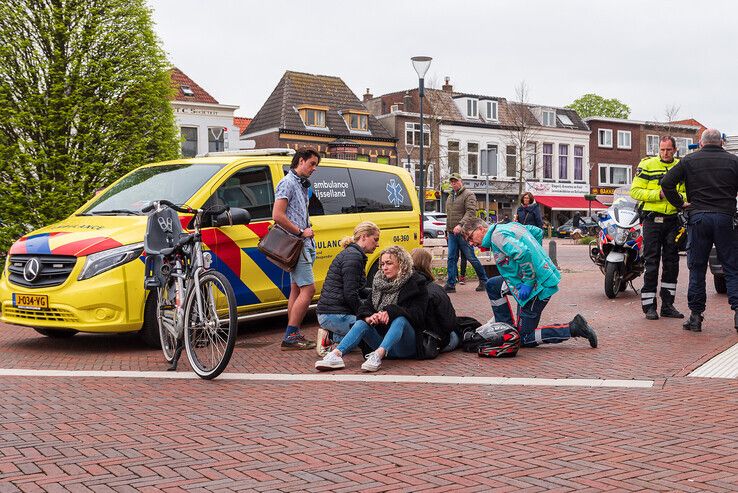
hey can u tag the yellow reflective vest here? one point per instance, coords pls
(646, 187)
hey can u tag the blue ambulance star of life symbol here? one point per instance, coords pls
(394, 191)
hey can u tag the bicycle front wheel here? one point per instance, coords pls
(167, 317)
(211, 326)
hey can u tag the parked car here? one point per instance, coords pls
(588, 227)
(434, 225)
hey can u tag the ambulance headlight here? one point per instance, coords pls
(100, 262)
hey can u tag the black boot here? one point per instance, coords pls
(694, 322)
(651, 313)
(668, 311)
(580, 328)
(735, 320)
(481, 287)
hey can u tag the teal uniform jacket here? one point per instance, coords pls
(520, 258)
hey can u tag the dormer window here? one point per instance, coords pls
(549, 118)
(471, 108)
(187, 90)
(490, 112)
(313, 116)
(565, 119)
(357, 120)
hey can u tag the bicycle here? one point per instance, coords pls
(195, 305)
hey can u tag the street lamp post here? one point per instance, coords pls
(421, 64)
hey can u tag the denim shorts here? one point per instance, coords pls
(338, 323)
(303, 273)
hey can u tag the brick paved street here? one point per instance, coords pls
(148, 434)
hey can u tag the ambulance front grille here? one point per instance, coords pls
(53, 270)
(46, 315)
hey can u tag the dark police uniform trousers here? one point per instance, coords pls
(659, 232)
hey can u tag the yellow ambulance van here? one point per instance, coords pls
(86, 273)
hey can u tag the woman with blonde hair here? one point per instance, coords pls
(391, 319)
(345, 286)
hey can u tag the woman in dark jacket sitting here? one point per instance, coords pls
(529, 212)
(345, 286)
(440, 318)
(391, 319)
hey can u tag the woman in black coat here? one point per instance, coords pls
(391, 320)
(345, 286)
(529, 212)
(440, 318)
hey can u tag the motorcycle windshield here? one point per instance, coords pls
(624, 211)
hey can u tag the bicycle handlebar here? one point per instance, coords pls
(169, 204)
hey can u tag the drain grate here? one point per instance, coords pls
(724, 365)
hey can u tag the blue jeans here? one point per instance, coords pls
(338, 324)
(456, 243)
(398, 342)
(704, 230)
(529, 314)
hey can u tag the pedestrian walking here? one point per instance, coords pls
(530, 276)
(460, 207)
(710, 177)
(529, 212)
(291, 212)
(345, 286)
(660, 225)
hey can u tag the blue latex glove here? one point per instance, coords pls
(524, 291)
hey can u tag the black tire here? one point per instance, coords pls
(56, 333)
(613, 279)
(166, 311)
(149, 332)
(720, 285)
(209, 349)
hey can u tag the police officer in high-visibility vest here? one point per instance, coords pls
(660, 225)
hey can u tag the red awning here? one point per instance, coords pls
(568, 203)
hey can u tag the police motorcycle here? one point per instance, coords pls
(618, 249)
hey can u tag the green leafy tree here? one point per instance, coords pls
(594, 105)
(84, 97)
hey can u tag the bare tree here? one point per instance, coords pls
(670, 115)
(522, 134)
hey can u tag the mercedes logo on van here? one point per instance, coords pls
(31, 270)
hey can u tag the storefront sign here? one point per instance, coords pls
(602, 190)
(556, 188)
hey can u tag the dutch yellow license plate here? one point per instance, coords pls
(30, 301)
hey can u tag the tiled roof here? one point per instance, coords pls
(296, 89)
(199, 95)
(241, 123)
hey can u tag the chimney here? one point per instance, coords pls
(368, 95)
(447, 86)
(407, 101)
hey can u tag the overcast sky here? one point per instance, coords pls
(648, 54)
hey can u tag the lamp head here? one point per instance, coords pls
(421, 64)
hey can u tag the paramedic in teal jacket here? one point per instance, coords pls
(530, 277)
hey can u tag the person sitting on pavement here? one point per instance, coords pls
(440, 318)
(345, 286)
(389, 318)
(530, 276)
(529, 212)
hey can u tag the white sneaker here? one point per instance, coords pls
(323, 342)
(373, 362)
(331, 361)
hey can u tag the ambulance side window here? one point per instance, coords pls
(378, 191)
(332, 192)
(251, 189)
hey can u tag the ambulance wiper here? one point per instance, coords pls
(113, 212)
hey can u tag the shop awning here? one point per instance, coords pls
(568, 203)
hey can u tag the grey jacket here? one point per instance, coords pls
(460, 206)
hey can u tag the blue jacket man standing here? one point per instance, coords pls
(530, 276)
